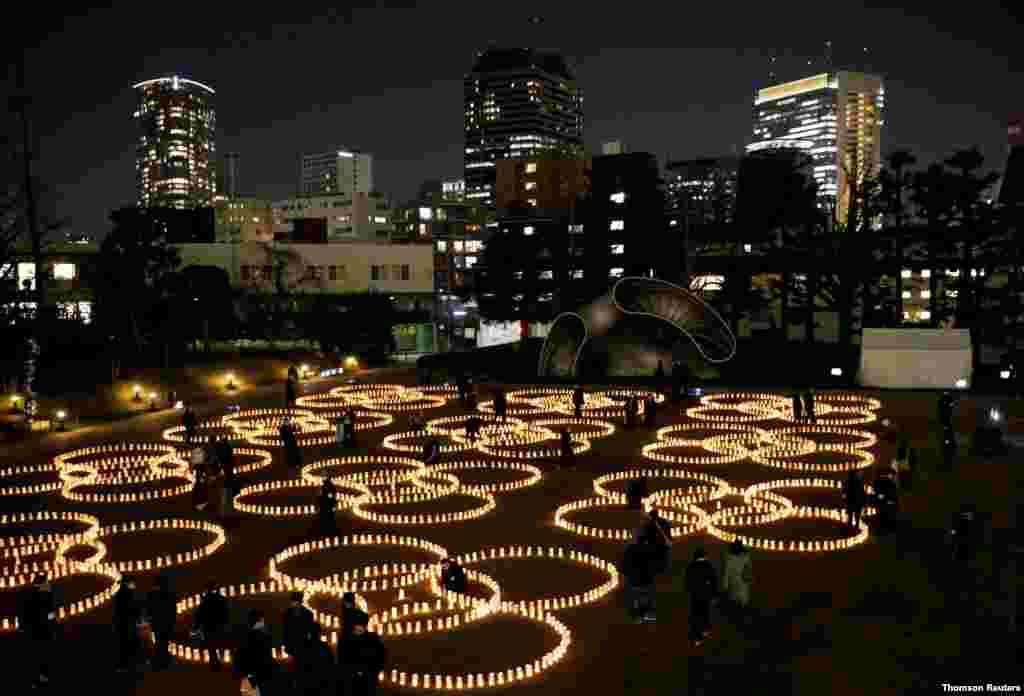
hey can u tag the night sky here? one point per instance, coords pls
(675, 79)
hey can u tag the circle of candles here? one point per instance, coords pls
(121, 464)
(534, 474)
(288, 510)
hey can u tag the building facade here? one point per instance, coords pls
(345, 172)
(836, 117)
(455, 231)
(175, 152)
(542, 183)
(229, 183)
(360, 217)
(320, 268)
(66, 263)
(517, 102)
(243, 220)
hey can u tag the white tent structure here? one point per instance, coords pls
(915, 358)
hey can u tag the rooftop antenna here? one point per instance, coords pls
(771, 69)
(829, 66)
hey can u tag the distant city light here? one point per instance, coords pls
(961, 384)
(837, 372)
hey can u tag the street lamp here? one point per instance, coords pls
(61, 420)
(304, 371)
(137, 394)
(14, 404)
(231, 381)
(152, 401)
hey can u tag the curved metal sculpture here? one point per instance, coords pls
(635, 298)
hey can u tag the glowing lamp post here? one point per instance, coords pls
(152, 401)
(61, 420)
(1004, 374)
(231, 386)
(961, 383)
(137, 394)
(837, 372)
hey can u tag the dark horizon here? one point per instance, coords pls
(387, 80)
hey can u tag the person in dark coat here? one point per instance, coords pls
(226, 457)
(910, 467)
(650, 412)
(361, 657)
(798, 407)
(327, 508)
(949, 448)
(127, 614)
(473, 425)
(501, 405)
(188, 419)
(163, 610)
(291, 388)
(577, 401)
(636, 491)
(453, 577)
(809, 406)
(211, 620)
(350, 427)
(349, 612)
(659, 371)
(37, 622)
(658, 532)
(293, 373)
(886, 500)
(637, 568)
(255, 659)
(315, 666)
(298, 628)
(853, 498)
(431, 451)
(292, 452)
(702, 584)
(566, 455)
(946, 403)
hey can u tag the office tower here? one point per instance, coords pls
(343, 171)
(1011, 186)
(230, 188)
(517, 102)
(835, 117)
(174, 163)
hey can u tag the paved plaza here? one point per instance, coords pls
(544, 611)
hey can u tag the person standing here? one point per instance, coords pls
(737, 578)
(809, 406)
(255, 660)
(211, 620)
(197, 459)
(658, 532)
(853, 498)
(798, 408)
(500, 404)
(349, 612)
(163, 611)
(315, 666)
(327, 508)
(431, 452)
(453, 577)
(650, 412)
(298, 626)
(188, 419)
(350, 427)
(127, 615)
(636, 491)
(949, 448)
(886, 500)
(291, 388)
(566, 455)
(37, 622)
(361, 657)
(577, 401)
(702, 584)
(637, 567)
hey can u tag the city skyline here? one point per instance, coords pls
(677, 102)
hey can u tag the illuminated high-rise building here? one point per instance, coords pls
(835, 117)
(343, 171)
(174, 164)
(1011, 185)
(517, 102)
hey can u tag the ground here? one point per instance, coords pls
(873, 619)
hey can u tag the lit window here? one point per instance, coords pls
(952, 274)
(471, 261)
(747, 248)
(27, 276)
(906, 273)
(906, 294)
(906, 316)
(546, 275)
(951, 293)
(528, 230)
(926, 273)
(616, 272)
(926, 294)
(618, 249)
(474, 246)
(532, 202)
(530, 185)
(577, 274)
(442, 246)
(457, 246)
(423, 229)
(618, 197)
(426, 214)
(925, 315)
(64, 271)
(618, 225)
(531, 167)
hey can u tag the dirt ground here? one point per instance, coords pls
(824, 616)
